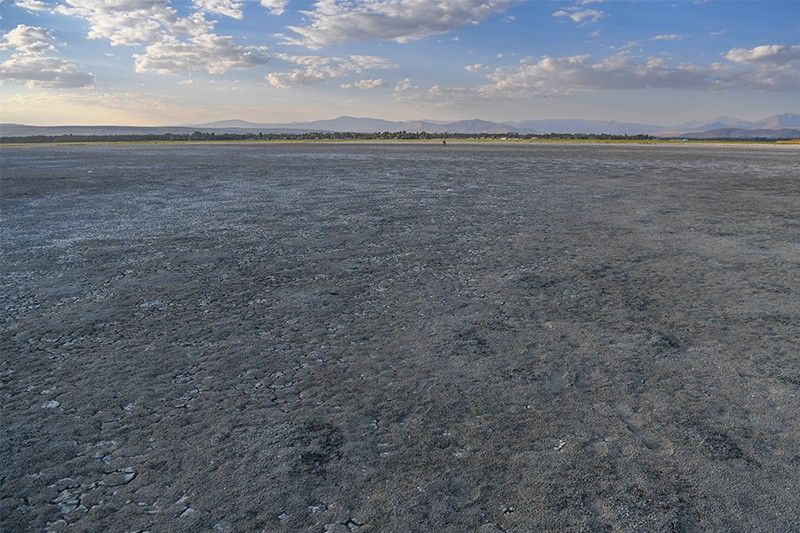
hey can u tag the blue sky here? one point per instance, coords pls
(189, 61)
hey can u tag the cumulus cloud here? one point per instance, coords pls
(436, 95)
(559, 76)
(437, 92)
(213, 53)
(339, 21)
(233, 8)
(173, 43)
(475, 67)
(45, 72)
(28, 40)
(132, 22)
(365, 84)
(31, 5)
(766, 70)
(228, 8)
(580, 15)
(553, 76)
(404, 85)
(276, 7)
(668, 37)
(316, 69)
(768, 53)
(33, 62)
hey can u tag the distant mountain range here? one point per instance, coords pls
(612, 127)
(786, 125)
(741, 133)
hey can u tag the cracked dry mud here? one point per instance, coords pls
(400, 337)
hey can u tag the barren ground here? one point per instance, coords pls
(400, 338)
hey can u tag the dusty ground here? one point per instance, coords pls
(400, 338)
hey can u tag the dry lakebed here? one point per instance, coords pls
(390, 337)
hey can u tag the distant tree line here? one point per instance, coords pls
(313, 136)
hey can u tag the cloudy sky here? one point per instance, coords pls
(189, 61)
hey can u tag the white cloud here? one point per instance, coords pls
(31, 5)
(768, 53)
(436, 95)
(131, 22)
(363, 62)
(723, 31)
(580, 15)
(28, 40)
(439, 92)
(475, 67)
(668, 37)
(174, 44)
(213, 53)
(32, 60)
(228, 8)
(365, 84)
(339, 21)
(560, 76)
(294, 78)
(627, 47)
(317, 69)
(404, 85)
(276, 7)
(45, 72)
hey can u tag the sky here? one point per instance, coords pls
(167, 62)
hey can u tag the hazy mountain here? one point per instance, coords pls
(419, 125)
(374, 125)
(786, 120)
(533, 126)
(371, 125)
(459, 126)
(721, 126)
(741, 133)
(354, 124)
(711, 124)
(225, 124)
(584, 126)
(775, 122)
